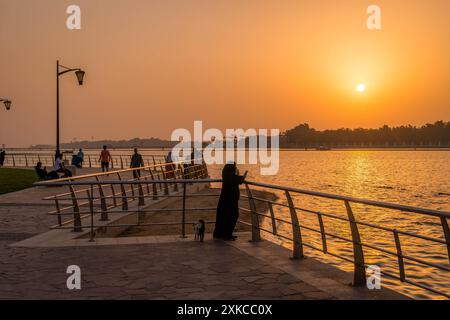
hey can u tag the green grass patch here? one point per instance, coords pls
(16, 179)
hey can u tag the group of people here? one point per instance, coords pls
(136, 161)
(59, 169)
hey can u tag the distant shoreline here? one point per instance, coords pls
(16, 149)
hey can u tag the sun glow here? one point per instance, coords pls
(361, 87)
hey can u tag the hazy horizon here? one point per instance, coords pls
(154, 66)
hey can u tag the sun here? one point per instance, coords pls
(361, 87)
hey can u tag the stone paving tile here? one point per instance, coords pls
(212, 270)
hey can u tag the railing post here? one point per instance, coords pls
(159, 178)
(173, 175)
(179, 171)
(133, 195)
(401, 264)
(272, 215)
(91, 207)
(26, 161)
(297, 246)
(155, 191)
(147, 185)
(58, 210)
(446, 230)
(154, 188)
(14, 161)
(322, 233)
(113, 191)
(359, 273)
(90, 162)
(166, 185)
(124, 194)
(104, 207)
(183, 217)
(76, 211)
(256, 233)
(141, 200)
(121, 162)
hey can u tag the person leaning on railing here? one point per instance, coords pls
(228, 207)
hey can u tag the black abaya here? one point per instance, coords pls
(228, 206)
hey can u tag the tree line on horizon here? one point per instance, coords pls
(436, 134)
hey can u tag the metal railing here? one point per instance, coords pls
(155, 188)
(132, 184)
(119, 161)
(358, 259)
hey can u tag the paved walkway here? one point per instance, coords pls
(210, 270)
(156, 267)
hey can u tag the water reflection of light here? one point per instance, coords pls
(403, 177)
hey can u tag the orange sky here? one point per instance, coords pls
(154, 66)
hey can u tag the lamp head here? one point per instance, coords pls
(80, 76)
(7, 104)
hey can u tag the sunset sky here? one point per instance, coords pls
(153, 66)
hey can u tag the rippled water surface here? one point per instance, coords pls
(414, 178)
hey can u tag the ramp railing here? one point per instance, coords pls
(119, 161)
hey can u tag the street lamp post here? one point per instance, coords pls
(80, 76)
(7, 103)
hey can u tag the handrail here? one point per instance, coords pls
(148, 189)
(29, 159)
(387, 205)
(58, 183)
(107, 173)
(374, 203)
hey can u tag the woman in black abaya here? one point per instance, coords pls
(228, 206)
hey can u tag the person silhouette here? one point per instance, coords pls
(228, 207)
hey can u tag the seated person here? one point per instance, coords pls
(77, 160)
(59, 166)
(43, 174)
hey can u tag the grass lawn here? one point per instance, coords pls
(16, 179)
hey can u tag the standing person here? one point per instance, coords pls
(80, 157)
(228, 207)
(136, 162)
(2, 157)
(170, 166)
(105, 158)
